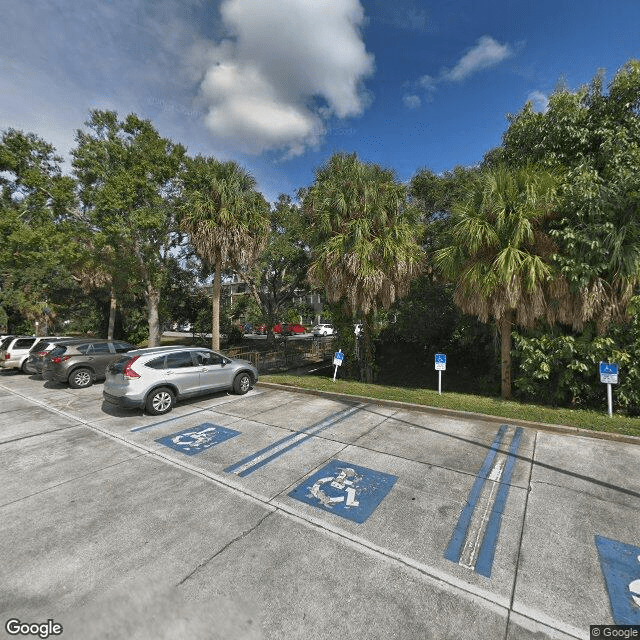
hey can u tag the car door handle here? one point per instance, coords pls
(168, 372)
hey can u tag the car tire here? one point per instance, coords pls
(242, 383)
(23, 368)
(159, 401)
(81, 378)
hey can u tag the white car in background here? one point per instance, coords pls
(14, 351)
(323, 330)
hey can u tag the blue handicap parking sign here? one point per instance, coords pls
(620, 564)
(345, 489)
(198, 439)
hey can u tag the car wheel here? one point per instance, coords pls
(81, 378)
(23, 368)
(160, 401)
(242, 383)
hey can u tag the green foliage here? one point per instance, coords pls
(226, 220)
(36, 203)
(280, 271)
(365, 239)
(594, 138)
(562, 370)
(127, 176)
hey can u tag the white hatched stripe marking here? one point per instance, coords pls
(472, 547)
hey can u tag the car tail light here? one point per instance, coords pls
(7, 356)
(59, 359)
(128, 371)
(42, 354)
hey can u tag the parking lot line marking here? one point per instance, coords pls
(184, 415)
(488, 548)
(469, 555)
(258, 459)
(454, 549)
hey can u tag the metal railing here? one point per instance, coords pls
(287, 355)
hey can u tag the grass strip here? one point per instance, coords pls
(580, 418)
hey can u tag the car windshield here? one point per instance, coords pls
(58, 351)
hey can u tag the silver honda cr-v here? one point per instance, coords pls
(155, 378)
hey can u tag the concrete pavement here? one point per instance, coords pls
(284, 515)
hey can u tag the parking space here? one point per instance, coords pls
(297, 512)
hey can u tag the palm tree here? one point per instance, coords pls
(226, 219)
(499, 255)
(365, 238)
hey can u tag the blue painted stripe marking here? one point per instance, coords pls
(620, 565)
(260, 458)
(454, 549)
(492, 531)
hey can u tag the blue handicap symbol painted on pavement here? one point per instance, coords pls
(198, 439)
(620, 564)
(345, 489)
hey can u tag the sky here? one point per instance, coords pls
(281, 85)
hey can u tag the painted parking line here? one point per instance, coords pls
(258, 459)
(474, 539)
(187, 415)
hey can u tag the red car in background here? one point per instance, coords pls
(285, 330)
(291, 329)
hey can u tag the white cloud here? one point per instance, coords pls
(539, 101)
(485, 53)
(411, 101)
(286, 67)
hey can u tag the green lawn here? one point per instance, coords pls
(592, 420)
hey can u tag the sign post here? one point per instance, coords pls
(337, 361)
(441, 365)
(609, 376)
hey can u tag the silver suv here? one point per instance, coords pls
(155, 378)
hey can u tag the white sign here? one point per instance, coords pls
(338, 358)
(441, 362)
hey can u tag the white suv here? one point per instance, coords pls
(323, 330)
(156, 377)
(14, 351)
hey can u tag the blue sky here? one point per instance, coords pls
(279, 85)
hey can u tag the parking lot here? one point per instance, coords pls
(284, 515)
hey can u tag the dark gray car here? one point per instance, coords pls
(39, 351)
(80, 364)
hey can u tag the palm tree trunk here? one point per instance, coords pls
(112, 314)
(505, 339)
(215, 306)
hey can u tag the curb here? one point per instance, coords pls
(454, 413)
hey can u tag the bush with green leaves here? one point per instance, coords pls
(562, 370)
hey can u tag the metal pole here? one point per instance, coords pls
(610, 399)
(439, 382)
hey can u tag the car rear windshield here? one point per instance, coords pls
(41, 345)
(5, 343)
(117, 366)
(58, 351)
